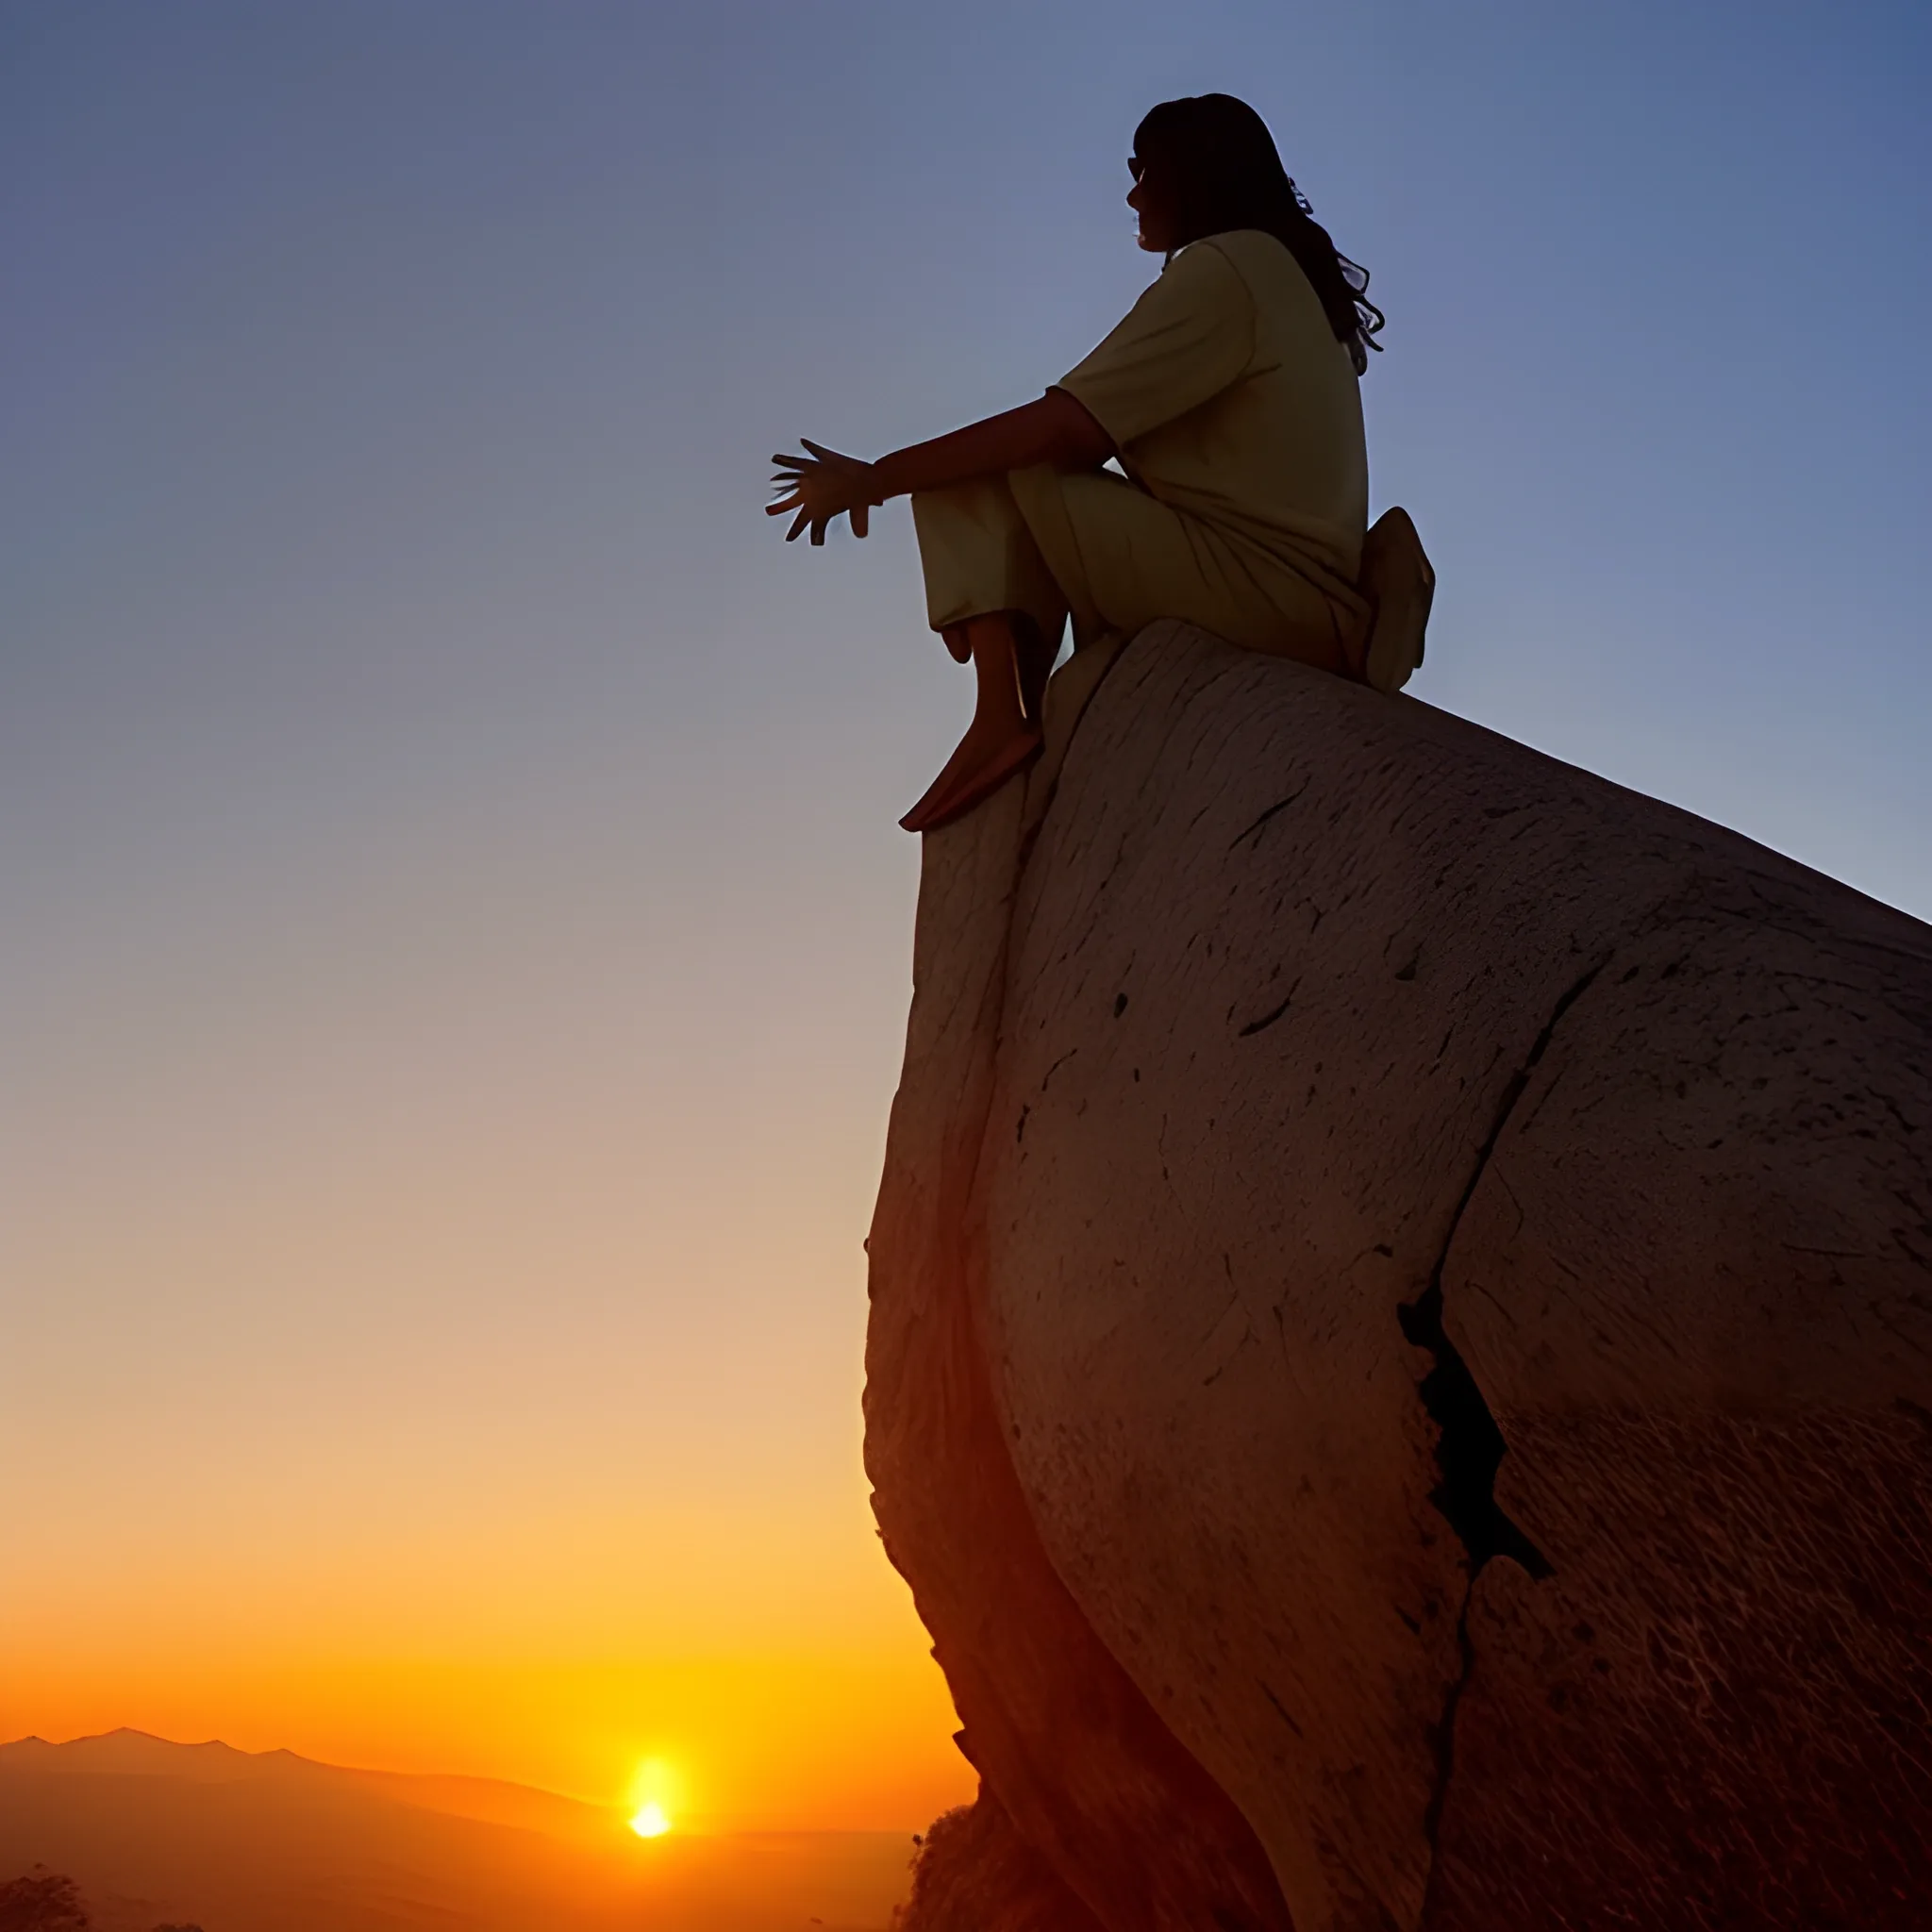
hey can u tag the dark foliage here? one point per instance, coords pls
(973, 1871)
(42, 1901)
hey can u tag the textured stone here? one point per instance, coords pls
(1331, 1095)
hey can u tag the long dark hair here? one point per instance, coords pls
(1215, 156)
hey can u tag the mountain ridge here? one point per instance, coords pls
(154, 1831)
(128, 1752)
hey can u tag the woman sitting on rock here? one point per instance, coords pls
(1229, 395)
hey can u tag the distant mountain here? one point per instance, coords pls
(138, 1755)
(157, 1832)
(135, 1754)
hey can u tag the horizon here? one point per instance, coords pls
(462, 941)
(697, 1825)
(149, 1830)
(273, 1751)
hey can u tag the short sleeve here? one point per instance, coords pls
(1189, 335)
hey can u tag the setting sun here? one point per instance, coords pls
(656, 1790)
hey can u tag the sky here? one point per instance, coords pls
(458, 938)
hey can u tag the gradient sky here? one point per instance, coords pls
(457, 936)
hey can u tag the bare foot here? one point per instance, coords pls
(972, 774)
(1007, 657)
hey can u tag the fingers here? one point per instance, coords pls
(819, 522)
(804, 484)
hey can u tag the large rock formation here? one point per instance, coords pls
(1401, 1358)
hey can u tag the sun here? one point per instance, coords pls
(650, 1820)
(656, 1794)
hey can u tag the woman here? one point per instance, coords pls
(1229, 395)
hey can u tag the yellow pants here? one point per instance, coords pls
(1052, 543)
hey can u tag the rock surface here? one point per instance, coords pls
(1401, 1359)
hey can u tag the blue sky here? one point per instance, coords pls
(449, 836)
(371, 352)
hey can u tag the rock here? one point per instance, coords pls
(1400, 1372)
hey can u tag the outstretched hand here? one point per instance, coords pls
(820, 486)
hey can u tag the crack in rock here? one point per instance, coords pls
(1469, 1444)
(1280, 806)
(1268, 1019)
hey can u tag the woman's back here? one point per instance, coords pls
(1232, 400)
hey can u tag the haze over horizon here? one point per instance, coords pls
(204, 1833)
(460, 940)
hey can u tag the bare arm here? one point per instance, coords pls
(824, 485)
(1054, 429)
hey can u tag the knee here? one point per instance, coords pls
(982, 503)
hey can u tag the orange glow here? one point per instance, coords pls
(324, 1414)
(445, 1590)
(787, 1743)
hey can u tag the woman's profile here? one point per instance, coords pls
(1229, 395)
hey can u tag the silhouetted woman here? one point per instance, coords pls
(1229, 394)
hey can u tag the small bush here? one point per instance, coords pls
(42, 1901)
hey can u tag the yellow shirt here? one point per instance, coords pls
(1229, 398)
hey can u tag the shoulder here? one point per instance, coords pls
(1201, 288)
(1259, 260)
(1274, 282)
(1207, 268)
